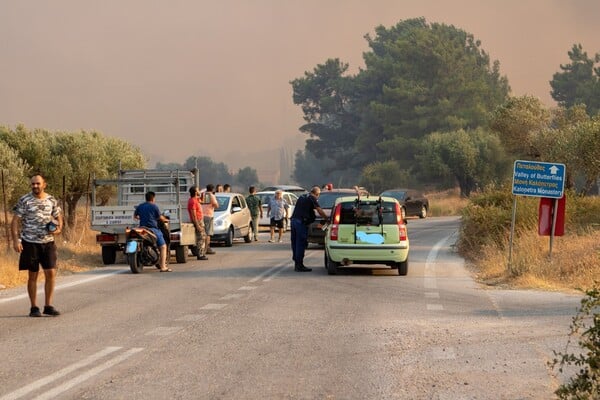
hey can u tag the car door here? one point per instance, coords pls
(412, 202)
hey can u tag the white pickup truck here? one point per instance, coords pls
(172, 194)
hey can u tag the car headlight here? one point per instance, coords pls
(220, 222)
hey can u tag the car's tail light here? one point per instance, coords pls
(336, 214)
(401, 226)
(335, 221)
(399, 219)
(333, 232)
(403, 233)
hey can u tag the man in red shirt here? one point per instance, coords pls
(196, 217)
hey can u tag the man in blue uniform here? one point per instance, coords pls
(303, 215)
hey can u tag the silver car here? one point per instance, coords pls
(265, 196)
(232, 219)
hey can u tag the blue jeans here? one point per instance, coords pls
(299, 237)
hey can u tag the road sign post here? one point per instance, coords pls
(536, 179)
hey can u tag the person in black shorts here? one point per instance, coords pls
(40, 218)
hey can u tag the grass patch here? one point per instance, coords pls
(485, 241)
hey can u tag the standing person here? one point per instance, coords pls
(255, 206)
(302, 216)
(197, 218)
(219, 188)
(41, 219)
(149, 216)
(278, 209)
(209, 204)
(227, 188)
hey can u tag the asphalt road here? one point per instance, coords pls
(244, 325)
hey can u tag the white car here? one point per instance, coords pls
(265, 196)
(232, 219)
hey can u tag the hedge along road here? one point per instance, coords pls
(245, 325)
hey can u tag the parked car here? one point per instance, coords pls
(370, 231)
(297, 190)
(265, 196)
(232, 219)
(413, 202)
(326, 201)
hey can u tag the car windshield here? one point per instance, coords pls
(265, 198)
(368, 213)
(223, 203)
(326, 199)
(396, 195)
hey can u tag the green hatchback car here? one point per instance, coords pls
(366, 230)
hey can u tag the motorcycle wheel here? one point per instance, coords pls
(134, 263)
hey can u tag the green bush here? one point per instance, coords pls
(585, 384)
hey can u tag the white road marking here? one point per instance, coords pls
(87, 375)
(213, 306)
(163, 331)
(67, 285)
(231, 296)
(435, 307)
(267, 272)
(58, 374)
(275, 274)
(247, 288)
(429, 280)
(192, 317)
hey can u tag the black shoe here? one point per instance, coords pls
(35, 312)
(302, 268)
(202, 258)
(49, 310)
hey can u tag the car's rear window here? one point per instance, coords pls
(327, 199)
(368, 213)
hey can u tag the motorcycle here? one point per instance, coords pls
(141, 247)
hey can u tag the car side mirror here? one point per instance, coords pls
(235, 209)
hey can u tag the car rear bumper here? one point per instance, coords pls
(367, 254)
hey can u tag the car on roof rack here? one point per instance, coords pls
(366, 230)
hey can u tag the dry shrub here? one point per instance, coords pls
(446, 203)
(79, 253)
(484, 241)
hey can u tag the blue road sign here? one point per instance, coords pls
(538, 179)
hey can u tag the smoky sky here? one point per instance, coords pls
(193, 77)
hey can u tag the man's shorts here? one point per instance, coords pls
(34, 254)
(278, 223)
(160, 238)
(208, 225)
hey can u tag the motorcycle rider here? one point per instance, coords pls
(149, 216)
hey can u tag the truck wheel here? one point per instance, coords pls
(229, 238)
(134, 263)
(181, 254)
(402, 267)
(109, 255)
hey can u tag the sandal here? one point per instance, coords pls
(166, 270)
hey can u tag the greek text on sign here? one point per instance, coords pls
(538, 179)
